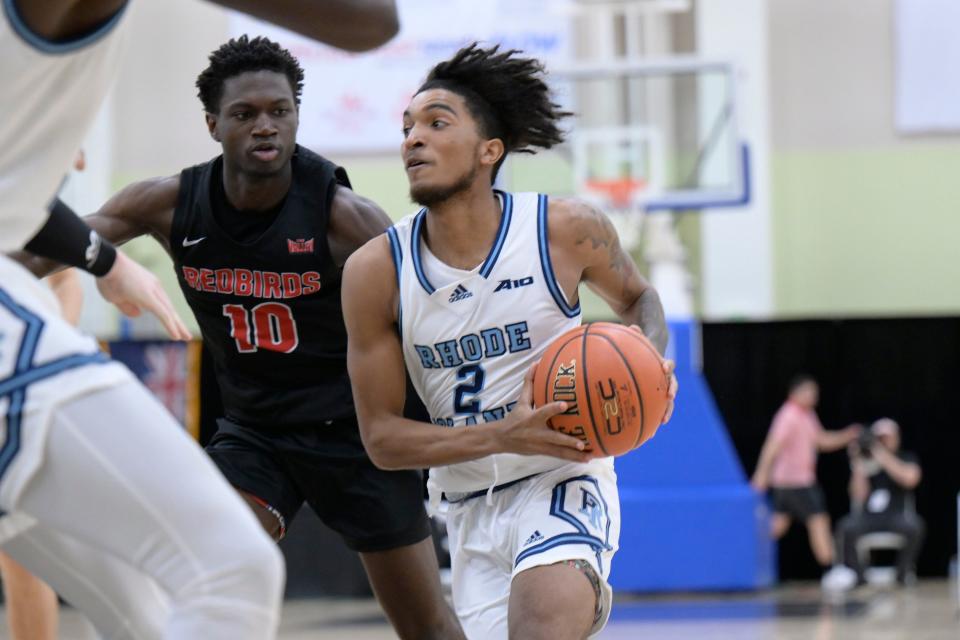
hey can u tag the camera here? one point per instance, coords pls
(865, 442)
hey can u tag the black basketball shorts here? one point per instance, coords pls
(798, 502)
(326, 467)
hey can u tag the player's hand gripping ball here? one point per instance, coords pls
(613, 381)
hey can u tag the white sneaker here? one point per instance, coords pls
(838, 579)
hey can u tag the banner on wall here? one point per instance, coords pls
(170, 370)
(927, 57)
(353, 103)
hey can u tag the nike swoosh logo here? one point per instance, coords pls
(190, 243)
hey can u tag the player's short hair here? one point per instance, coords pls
(506, 94)
(799, 380)
(240, 55)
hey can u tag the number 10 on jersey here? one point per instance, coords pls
(268, 325)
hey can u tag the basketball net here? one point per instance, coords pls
(622, 200)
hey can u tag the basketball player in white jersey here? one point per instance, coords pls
(102, 494)
(467, 294)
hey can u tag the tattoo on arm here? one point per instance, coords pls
(630, 297)
(596, 229)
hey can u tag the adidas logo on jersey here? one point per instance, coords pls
(460, 293)
(536, 536)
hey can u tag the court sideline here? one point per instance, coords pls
(927, 611)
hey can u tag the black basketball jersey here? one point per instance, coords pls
(269, 309)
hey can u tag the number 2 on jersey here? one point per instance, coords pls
(475, 374)
(268, 325)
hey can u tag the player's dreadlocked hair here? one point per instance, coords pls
(240, 55)
(506, 94)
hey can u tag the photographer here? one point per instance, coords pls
(881, 485)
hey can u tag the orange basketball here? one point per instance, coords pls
(612, 380)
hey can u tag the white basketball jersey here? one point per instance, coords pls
(469, 337)
(51, 94)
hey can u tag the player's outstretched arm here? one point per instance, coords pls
(354, 25)
(376, 367)
(142, 208)
(139, 209)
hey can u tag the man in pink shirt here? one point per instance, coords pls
(788, 466)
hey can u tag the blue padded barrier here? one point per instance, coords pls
(690, 520)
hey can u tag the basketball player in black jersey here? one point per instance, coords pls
(259, 237)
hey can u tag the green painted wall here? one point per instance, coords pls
(383, 180)
(869, 232)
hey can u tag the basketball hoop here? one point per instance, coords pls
(620, 199)
(619, 192)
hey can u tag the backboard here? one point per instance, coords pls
(669, 125)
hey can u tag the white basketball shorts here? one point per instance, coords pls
(569, 513)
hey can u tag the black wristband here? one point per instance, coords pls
(66, 238)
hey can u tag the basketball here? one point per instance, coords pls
(612, 380)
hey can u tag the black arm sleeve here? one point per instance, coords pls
(66, 238)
